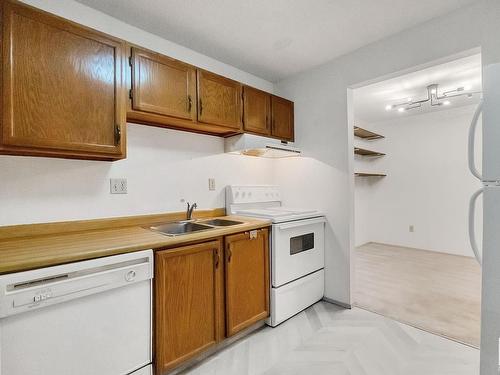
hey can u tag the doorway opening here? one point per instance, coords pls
(412, 260)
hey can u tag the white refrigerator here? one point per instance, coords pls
(489, 255)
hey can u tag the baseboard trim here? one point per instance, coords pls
(338, 303)
(414, 248)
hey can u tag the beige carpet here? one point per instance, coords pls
(436, 292)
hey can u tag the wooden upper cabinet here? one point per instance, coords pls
(162, 85)
(187, 302)
(282, 125)
(256, 111)
(219, 100)
(62, 85)
(247, 279)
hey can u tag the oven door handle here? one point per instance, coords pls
(301, 223)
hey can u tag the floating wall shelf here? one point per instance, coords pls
(366, 134)
(365, 152)
(361, 174)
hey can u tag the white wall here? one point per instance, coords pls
(324, 130)
(363, 187)
(428, 183)
(322, 119)
(162, 167)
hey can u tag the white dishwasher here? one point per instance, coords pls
(86, 318)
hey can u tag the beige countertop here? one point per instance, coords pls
(24, 253)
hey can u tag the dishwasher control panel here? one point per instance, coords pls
(24, 291)
(42, 295)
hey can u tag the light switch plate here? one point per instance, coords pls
(118, 185)
(211, 184)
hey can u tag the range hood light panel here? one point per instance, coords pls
(252, 145)
(270, 152)
(254, 152)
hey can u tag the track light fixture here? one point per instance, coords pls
(433, 97)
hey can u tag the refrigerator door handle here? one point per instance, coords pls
(472, 138)
(472, 222)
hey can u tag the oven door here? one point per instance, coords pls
(298, 249)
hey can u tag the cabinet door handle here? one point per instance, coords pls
(190, 103)
(216, 258)
(201, 107)
(118, 134)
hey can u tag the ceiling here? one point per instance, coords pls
(275, 38)
(370, 101)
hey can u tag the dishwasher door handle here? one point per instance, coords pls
(301, 223)
(36, 289)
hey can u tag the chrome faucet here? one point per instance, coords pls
(190, 208)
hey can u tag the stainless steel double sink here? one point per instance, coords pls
(178, 228)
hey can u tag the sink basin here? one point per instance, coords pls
(180, 227)
(222, 222)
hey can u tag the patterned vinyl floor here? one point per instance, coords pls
(328, 340)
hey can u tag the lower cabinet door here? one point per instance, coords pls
(247, 279)
(187, 303)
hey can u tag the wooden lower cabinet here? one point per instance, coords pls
(188, 296)
(203, 294)
(247, 279)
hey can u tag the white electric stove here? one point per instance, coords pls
(297, 247)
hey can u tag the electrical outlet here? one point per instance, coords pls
(118, 185)
(411, 228)
(211, 184)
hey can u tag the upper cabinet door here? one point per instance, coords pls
(256, 111)
(63, 89)
(162, 85)
(219, 100)
(282, 119)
